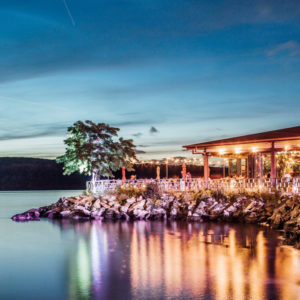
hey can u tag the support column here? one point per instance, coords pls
(238, 166)
(273, 165)
(251, 165)
(205, 160)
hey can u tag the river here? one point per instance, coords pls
(139, 260)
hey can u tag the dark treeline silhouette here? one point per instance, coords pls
(18, 173)
(36, 174)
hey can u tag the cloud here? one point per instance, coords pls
(34, 131)
(153, 130)
(138, 135)
(132, 123)
(139, 151)
(292, 48)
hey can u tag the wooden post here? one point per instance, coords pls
(273, 165)
(205, 160)
(251, 165)
(238, 166)
(261, 167)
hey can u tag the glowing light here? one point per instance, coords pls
(221, 152)
(237, 151)
(254, 149)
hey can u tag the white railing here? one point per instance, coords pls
(101, 186)
(291, 186)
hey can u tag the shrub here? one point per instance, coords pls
(151, 191)
(130, 191)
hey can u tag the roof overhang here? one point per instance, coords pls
(283, 140)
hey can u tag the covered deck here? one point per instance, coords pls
(248, 154)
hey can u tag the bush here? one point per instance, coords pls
(151, 191)
(129, 192)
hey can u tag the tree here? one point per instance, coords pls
(282, 164)
(91, 150)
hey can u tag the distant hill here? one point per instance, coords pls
(20, 173)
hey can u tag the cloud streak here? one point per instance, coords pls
(69, 12)
(291, 47)
(33, 103)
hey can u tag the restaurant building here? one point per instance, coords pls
(250, 151)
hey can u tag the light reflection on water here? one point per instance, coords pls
(65, 259)
(179, 260)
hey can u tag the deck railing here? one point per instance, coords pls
(291, 186)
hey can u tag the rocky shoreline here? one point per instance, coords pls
(283, 214)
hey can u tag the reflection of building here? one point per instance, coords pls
(155, 260)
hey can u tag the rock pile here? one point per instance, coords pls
(181, 207)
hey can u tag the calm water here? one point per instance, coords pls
(140, 260)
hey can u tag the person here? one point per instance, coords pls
(232, 180)
(189, 176)
(286, 176)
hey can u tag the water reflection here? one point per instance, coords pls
(179, 260)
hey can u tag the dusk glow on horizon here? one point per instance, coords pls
(167, 73)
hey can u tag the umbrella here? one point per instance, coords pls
(158, 173)
(183, 171)
(123, 173)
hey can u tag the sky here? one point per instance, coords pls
(167, 73)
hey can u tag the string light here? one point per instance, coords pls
(171, 161)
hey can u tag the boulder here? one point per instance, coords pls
(140, 213)
(251, 219)
(290, 225)
(65, 214)
(30, 215)
(277, 222)
(97, 213)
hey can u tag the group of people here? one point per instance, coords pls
(188, 175)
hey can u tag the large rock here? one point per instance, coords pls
(277, 222)
(290, 225)
(30, 215)
(251, 219)
(97, 213)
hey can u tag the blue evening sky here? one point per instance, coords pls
(167, 72)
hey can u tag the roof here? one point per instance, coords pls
(287, 134)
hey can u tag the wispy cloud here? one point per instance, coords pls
(139, 151)
(67, 8)
(34, 131)
(138, 135)
(32, 103)
(291, 48)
